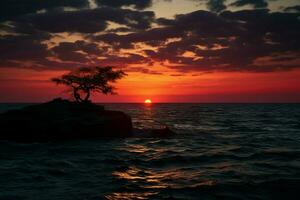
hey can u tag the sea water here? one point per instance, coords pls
(221, 151)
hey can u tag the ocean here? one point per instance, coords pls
(221, 151)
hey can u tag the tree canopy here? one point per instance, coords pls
(85, 80)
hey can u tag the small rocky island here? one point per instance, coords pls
(63, 120)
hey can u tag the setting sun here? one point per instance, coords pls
(148, 101)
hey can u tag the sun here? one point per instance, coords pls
(148, 101)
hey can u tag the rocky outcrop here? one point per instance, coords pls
(61, 120)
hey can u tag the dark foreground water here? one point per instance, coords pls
(226, 151)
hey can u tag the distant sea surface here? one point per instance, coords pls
(222, 151)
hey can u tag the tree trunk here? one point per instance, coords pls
(88, 94)
(76, 95)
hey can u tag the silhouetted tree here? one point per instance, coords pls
(85, 80)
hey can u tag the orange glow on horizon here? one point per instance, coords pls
(35, 86)
(148, 101)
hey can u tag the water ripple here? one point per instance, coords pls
(227, 151)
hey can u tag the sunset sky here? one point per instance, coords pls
(172, 50)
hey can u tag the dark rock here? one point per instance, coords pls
(63, 120)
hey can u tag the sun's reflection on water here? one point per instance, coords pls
(130, 196)
(150, 182)
(146, 179)
(135, 148)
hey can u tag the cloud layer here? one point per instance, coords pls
(37, 34)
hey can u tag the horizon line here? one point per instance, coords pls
(41, 102)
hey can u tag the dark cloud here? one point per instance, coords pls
(26, 42)
(138, 4)
(123, 60)
(88, 20)
(79, 51)
(144, 70)
(155, 35)
(25, 51)
(292, 9)
(231, 41)
(254, 3)
(205, 23)
(255, 40)
(201, 23)
(221, 5)
(9, 9)
(21, 47)
(30, 51)
(25, 47)
(216, 5)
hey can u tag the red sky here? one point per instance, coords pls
(31, 86)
